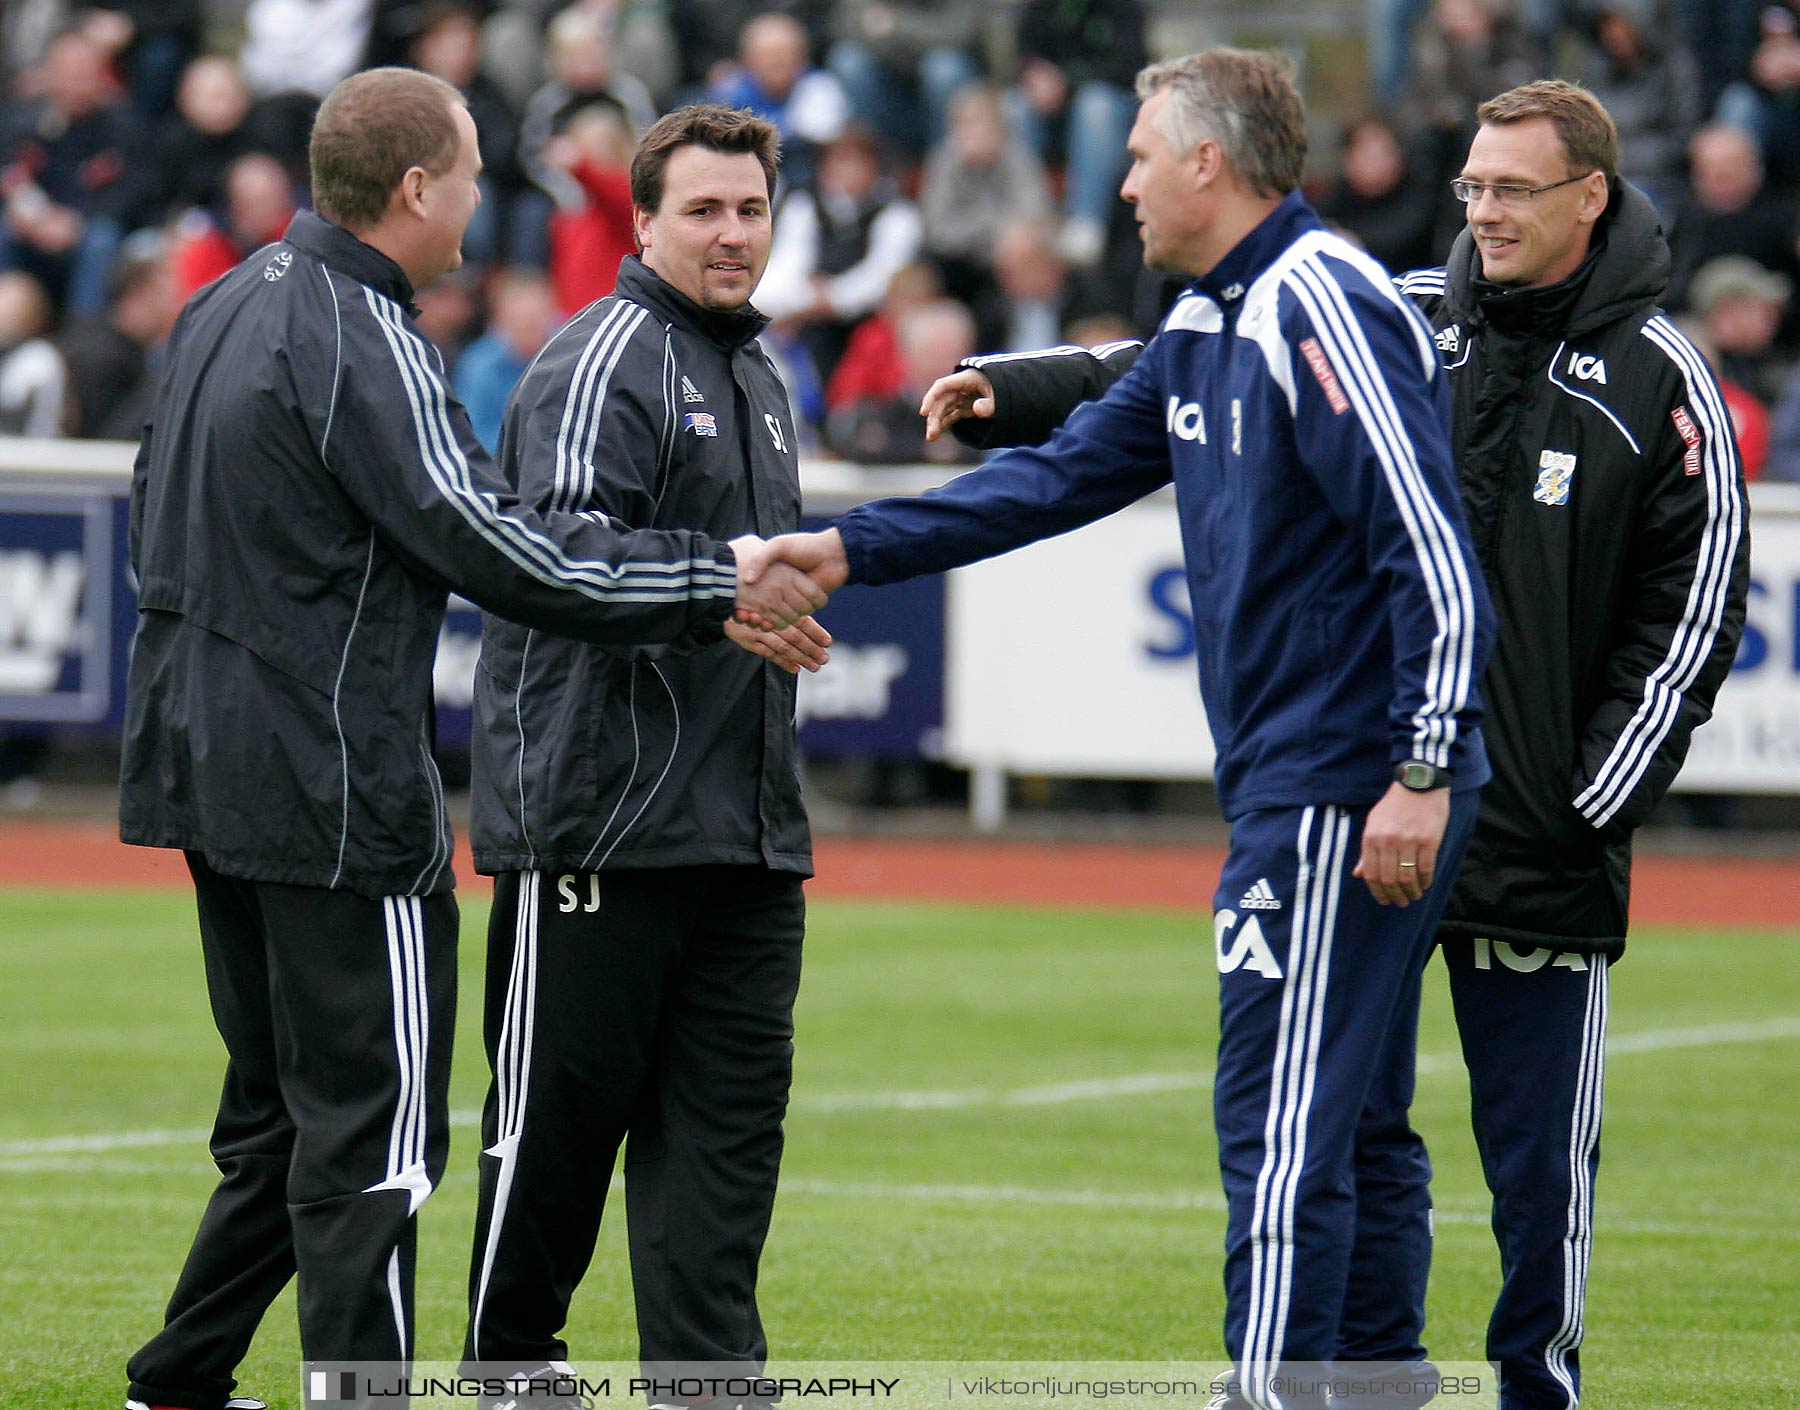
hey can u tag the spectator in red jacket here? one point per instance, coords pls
(588, 241)
(872, 366)
(259, 203)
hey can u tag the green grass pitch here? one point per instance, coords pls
(999, 1148)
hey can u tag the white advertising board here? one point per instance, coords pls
(1752, 742)
(1074, 657)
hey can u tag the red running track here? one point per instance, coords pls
(1667, 890)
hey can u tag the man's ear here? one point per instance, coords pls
(412, 190)
(1594, 200)
(640, 227)
(1207, 163)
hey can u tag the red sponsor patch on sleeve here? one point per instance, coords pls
(1690, 437)
(1321, 368)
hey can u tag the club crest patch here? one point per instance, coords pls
(701, 423)
(1556, 468)
(1690, 437)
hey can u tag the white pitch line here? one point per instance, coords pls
(1655, 1040)
(105, 1141)
(1157, 1083)
(1056, 1094)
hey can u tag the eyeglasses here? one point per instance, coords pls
(1469, 192)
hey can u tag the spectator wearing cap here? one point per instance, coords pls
(1740, 306)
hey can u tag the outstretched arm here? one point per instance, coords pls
(1019, 399)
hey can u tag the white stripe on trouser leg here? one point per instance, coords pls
(1584, 1134)
(1249, 1353)
(398, 974)
(422, 1011)
(512, 1077)
(1291, 1084)
(399, 1304)
(1332, 861)
(405, 925)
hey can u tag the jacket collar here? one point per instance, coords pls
(643, 285)
(341, 250)
(1226, 282)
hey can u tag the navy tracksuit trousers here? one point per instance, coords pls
(1328, 1238)
(1533, 1026)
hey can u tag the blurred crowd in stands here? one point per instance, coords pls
(950, 182)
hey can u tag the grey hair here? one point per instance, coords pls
(1242, 99)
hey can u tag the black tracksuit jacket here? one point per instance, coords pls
(1606, 501)
(645, 410)
(306, 494)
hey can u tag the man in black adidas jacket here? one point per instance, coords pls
(305, 495)
(642, 809)
(1606, 501)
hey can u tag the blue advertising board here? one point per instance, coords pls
(882, 696)
(65, 608)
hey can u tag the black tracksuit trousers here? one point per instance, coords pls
(337, 1011)
(653, 1007)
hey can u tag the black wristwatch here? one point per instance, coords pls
(1420, 776)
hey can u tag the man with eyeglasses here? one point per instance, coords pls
(1606, 501)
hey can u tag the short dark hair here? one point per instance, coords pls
(1590, 141)
(710, 125)
(371, 130)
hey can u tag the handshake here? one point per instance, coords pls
(781, 583)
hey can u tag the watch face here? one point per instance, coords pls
(1417, 775)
